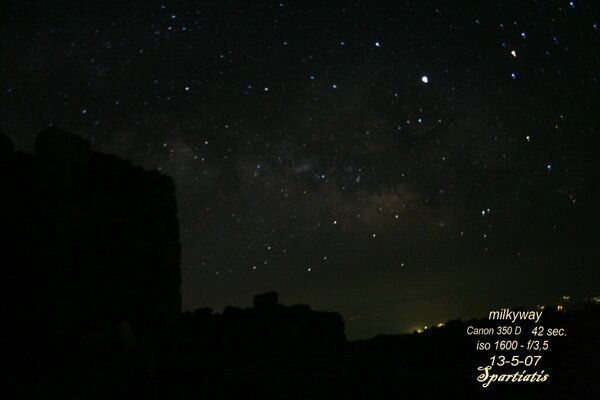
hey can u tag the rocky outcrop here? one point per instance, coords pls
(269, 327)
(91, 238)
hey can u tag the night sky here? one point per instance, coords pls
(402, 163)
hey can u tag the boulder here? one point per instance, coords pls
(56, 144)
(266, 301)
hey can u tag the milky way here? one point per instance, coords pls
(401, 164)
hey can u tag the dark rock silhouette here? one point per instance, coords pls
(270, 325)
(6, 145)
(91, 255)
(60, 146)
(266, 301)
